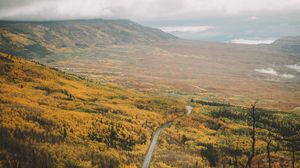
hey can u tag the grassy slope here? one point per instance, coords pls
(36, 39)
(49, 118)
(65, 120)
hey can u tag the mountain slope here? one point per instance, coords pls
(51, 119)
(40, 38)
(288, 44)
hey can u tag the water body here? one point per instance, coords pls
(155, 138)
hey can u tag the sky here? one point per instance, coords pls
(237, 21)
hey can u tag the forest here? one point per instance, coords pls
(49, 118)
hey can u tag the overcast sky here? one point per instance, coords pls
(180, 17)
(139, 9)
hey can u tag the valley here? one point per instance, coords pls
(147, 59)
(215, 72)
(110, 93)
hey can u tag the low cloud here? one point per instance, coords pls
(272, 72)
(269, 71)
(253, 41)
(186, 29)
(252, 18)
(288, 76)
(294, 67)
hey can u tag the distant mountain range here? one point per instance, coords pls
(40, 38)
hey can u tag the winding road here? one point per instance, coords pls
(147, 160)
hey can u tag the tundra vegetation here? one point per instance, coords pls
(148, 59)
(49, 118)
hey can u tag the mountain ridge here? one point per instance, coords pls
(34, 38)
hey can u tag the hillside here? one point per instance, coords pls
(53, 119)
(40, 38)
(288, 44)
(49, 118)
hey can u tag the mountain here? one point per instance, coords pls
(40, 38)
(288, 44)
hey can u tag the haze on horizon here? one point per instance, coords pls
(248, 21)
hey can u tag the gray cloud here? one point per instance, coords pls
(213, 20)
(4, 4)
(137, 9)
